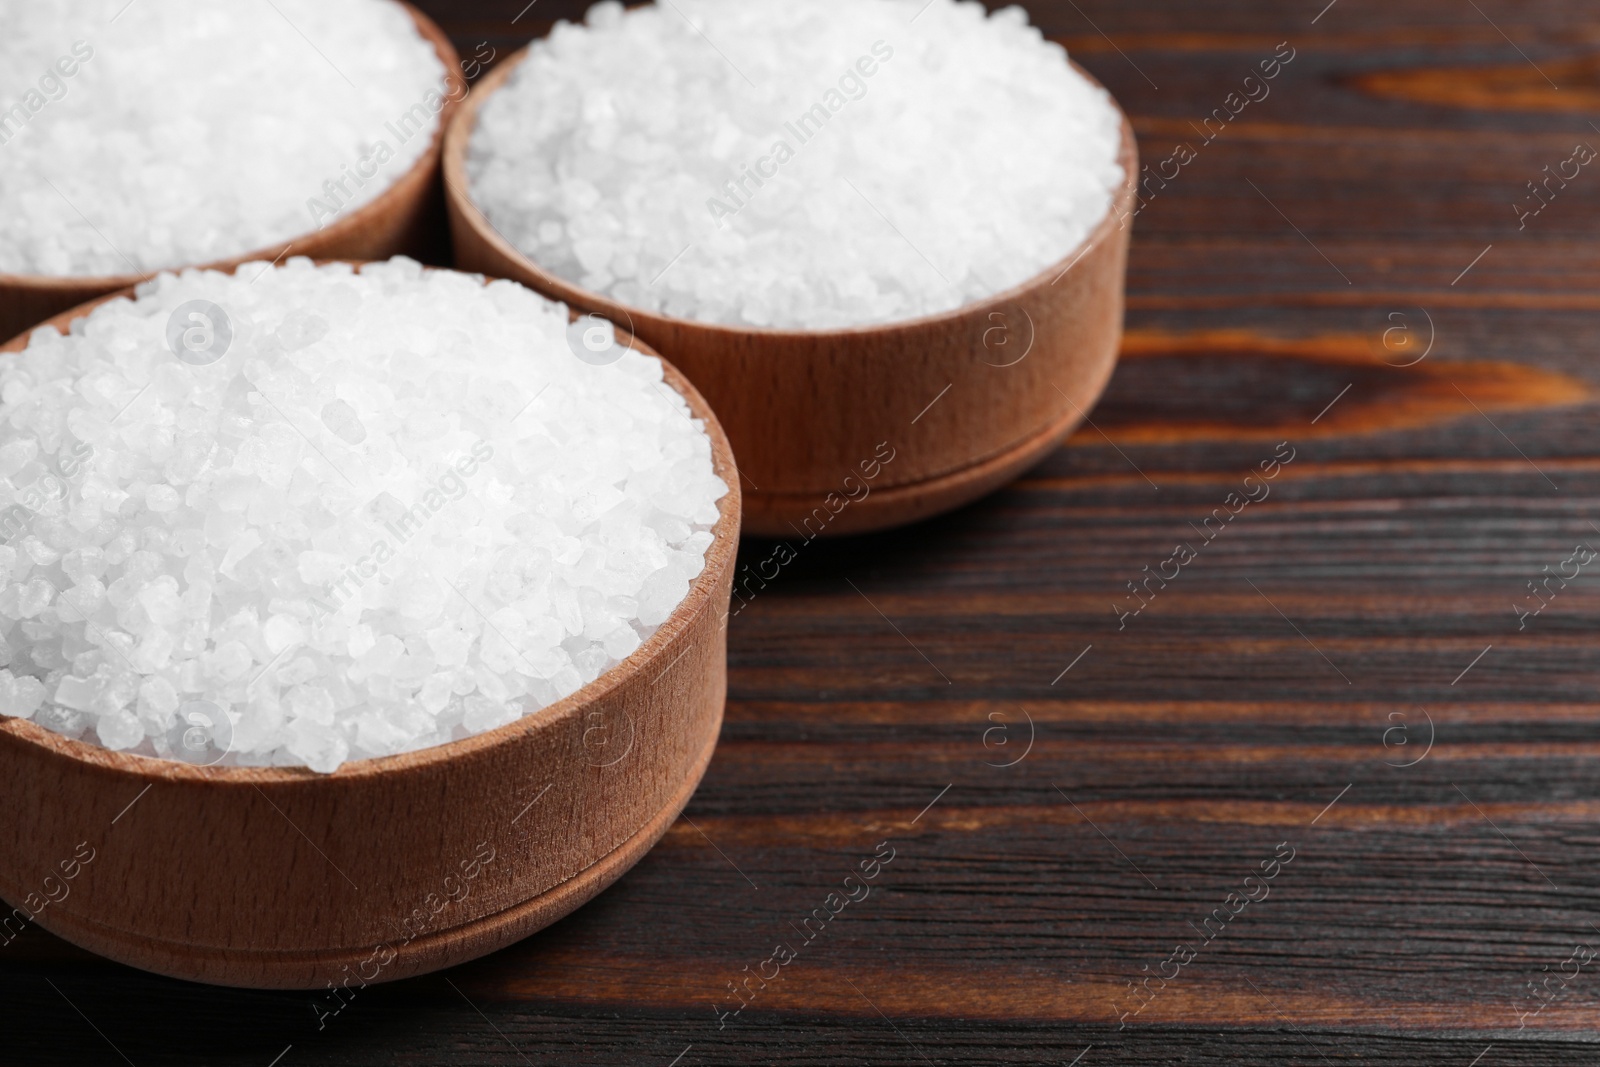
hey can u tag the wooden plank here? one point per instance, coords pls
(1343, 669)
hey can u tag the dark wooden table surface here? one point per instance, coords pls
(1341, 675)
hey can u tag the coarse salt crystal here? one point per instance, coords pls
(265, 586)
(796, 163)
(137, 136)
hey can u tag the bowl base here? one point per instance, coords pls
(781, 515)
(316, 970)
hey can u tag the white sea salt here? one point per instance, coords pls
(160, 133)
(796, 163)
(393, 510)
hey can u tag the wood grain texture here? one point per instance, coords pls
(852, 430)
(1196, 739)
(387, 868)
(404, 219)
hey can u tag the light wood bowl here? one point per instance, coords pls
(399, 220)
(284, 878)
(806, 410)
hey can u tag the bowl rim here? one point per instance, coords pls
(457, 193)
(345, 226)
(721, 556)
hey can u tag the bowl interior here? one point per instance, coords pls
(311, 243)
(719, 559)
(458, 191)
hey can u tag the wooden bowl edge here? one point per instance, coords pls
(407, 184)
(771, 515)
(449, 947)
(484, 237)
(719, 560)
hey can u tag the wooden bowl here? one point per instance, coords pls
(387, 868)
(963, 401)
(397, 221)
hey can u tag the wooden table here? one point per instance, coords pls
(1071, 792)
